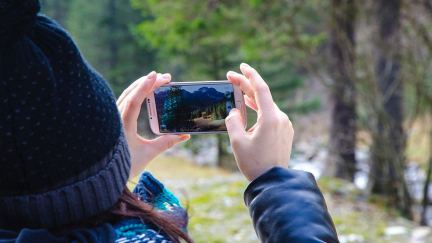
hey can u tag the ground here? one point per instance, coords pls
(214, 199)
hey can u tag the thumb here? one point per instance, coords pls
(167, 141)
(235, 127)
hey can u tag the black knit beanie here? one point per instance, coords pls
(64, 157)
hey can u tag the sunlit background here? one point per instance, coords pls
(354, 76)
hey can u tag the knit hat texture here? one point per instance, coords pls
(64, 156)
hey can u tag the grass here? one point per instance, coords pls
(214, 199)
(418, 141)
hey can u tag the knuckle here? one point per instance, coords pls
(148, 83)
(125, 110)
(288, 124)
(125, 124)
(228, 119)
(231, 119)
(285, 119)
(170, 143)
(235, 141)
(133, 102)
(272, 121)
(248, 74)
(166, 144)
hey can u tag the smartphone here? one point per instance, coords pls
(193, 107)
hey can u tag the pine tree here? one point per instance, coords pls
(57, 10)
(103, 31)
(202, 40)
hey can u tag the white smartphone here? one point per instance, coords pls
(193, 107)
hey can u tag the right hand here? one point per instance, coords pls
(268, 142)
(129, 103)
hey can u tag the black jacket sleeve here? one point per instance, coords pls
(287, 206)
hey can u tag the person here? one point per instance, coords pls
(68, 148)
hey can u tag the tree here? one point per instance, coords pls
(102, 29)
(300, 27)
(388, 147)
(204, 39)
(342, 141)
(417, 63)
(57, 10)
(425, 201)
(194, 42)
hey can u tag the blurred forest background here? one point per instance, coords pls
(354, 76)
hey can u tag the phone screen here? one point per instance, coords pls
(193, 107)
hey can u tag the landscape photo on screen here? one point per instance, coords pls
(194, 108)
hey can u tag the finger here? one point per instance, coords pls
(127, 91)
(261, 90)
(250, 103)
(164, 78)
(165, 142)
(120, 107)
(250, 130)
(235, 127)
(134, 101)
(161, 79)
(241, 81)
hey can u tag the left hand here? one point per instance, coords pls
(268, 142)
(129, 104)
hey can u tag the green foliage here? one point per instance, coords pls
(56, 9)
(194, 40)
(194, 32)
(103, 31)
(204, 39)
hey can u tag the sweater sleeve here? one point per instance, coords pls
(287, 206)
(102, 233)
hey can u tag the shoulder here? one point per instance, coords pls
(152, 191)
(133, 230)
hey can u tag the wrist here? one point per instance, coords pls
(258, 171)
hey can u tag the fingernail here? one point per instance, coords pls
(230, 73)
(152, 74)
(244, 65)
(166, 76)
(184, 136)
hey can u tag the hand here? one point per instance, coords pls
(268, 142)
(129, 104)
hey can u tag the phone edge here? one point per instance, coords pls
(151, 106)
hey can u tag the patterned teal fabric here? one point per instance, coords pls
(151, 191)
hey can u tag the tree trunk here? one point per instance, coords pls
(56, 9)
(388, 147)
(225, 159)
(112, 40)
(342, 142)
(425, 202)
(428, 5)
